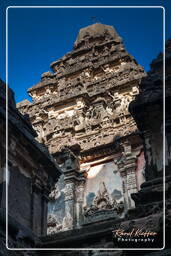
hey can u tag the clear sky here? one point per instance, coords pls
(37, 37)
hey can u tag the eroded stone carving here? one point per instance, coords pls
(53, 224)
(104, 68)
(84, 104)
(55, 193)
(103, 201)
(67, 222)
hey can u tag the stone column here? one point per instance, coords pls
(131, 185)
(127, 166)
(79, 199)
(69, 219)
(72, 179)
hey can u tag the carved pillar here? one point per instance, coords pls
(72, 178)
(69, 219)
(131, 185)
(79, 199)
(122, 172)
(127, 166)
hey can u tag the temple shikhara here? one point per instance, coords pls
(96, 118)
(82, 106)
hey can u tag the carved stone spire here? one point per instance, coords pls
(95, 32)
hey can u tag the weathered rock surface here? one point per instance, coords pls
(85, 100)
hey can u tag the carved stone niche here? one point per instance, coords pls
(103, 204)
(103, 194)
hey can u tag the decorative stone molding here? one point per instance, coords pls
(89, 78)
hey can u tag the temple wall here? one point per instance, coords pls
(19, 195)
(31, 174)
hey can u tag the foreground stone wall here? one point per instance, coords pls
(28, 180)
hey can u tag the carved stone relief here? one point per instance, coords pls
(103, 201)
(84, 104)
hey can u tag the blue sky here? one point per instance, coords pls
(37, 37)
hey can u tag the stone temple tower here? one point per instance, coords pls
(80, 112)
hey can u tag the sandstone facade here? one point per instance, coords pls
(81, 110)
